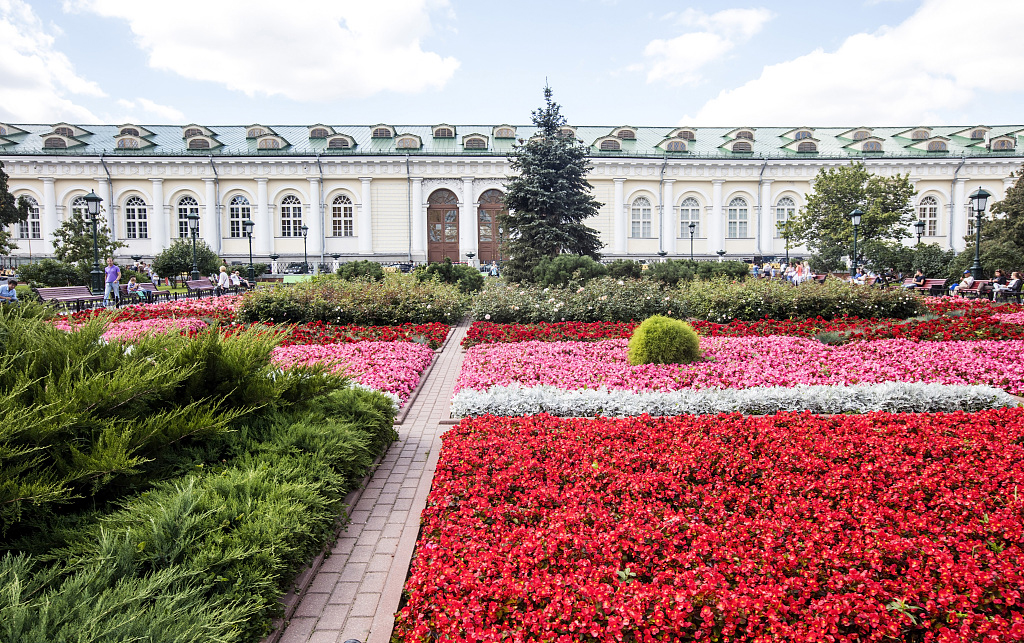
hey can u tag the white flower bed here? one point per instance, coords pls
(903, 397)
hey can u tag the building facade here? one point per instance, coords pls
(419, 193)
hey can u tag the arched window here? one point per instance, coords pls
(919, 135)
(381, 132)
(937, 146)
(626, 134)
(128, 144)
(675, 146)
(928, 211)
(342, 217)
(801, 135)
(1003, 144)
(30, 228)
(130, 131)
(238, 211)
(610, 144)
(270, 144)
(79, 208)
(407, 143)
(444, 132)
(442, 197)
(860, 135)
(193, 131)
(747, 134)
(135, 224)
(978, 135)
(872, 146)
(64, 131)
(199, 144)
(784, 211)
(186, 205)
(687, 135)
(318, 132)
(55, 143)
(689, 212)
(339, 143)
(255, 132)
(807, 146)
(738, 218)
(742, 146)
(566, 132)
(504, 132)
(641, 218)
(291, 216)
(475, 144)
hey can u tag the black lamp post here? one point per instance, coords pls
(248, 225)
(720, 253)
(693, 229)
(781, 225)
(855, 220)
(305, 259)
(193, 229)
(978, 201)
(92, 206)
(919, 227)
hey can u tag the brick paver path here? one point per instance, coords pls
(356, 592)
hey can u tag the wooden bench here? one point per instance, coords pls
(975, 290)
(200, 287)
(1007, 294)
(934, 287)
(67, 296)
(148, 287)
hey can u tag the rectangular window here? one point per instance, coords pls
(342, 220)
(737, 223)
(688, 215)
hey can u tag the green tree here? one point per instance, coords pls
(823, 225)
(1002, 237)
(549, 200)
(72, 242)
(177, 259)
(11, 211)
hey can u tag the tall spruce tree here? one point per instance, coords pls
(11, 211)
(550, 199)
(72, 242)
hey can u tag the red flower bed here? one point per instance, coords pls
(793, 527)
(320, 333)
(941, 305)
(482, 332)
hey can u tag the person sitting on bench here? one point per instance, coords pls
(967, 282)
(9, 293)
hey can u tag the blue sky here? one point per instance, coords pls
(772, 63)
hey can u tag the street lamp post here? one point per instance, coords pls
(781, 225)
(92, 206)
(693, 228)
(919, 227)
(855, 220)
(305, 259)
(248, 224)
(978, 200)
(193, 229)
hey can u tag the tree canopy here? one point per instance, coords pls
(72, 241)
(11, 211)
(823, 224)
(549, 200)
(177, 259)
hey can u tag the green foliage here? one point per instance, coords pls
(11, 211)
(602, 299)
(738, 270)
(396, 300)
(548, 198)
(823, 225)
(671, 271)
(369, 270)
(625, 269)
(560, 270)
(73, 242)
(51, 273)
(467, 278)
(176, 259)
(674, 271)
(663, 340)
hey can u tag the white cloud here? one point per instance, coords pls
(310, 50)
(144, 110)
(927, 69)
(679, 60)
(36, 78)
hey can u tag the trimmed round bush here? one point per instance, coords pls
(563, 269)
(361, 269)
(663, 340)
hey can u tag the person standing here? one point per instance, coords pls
(112, 281)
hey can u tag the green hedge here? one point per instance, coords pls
(398, 299)
(604, 299)
(467, 278)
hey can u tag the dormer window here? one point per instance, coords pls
(978, 135)
(269, 144)
(129, 131)
(610, 145)
(675, 146)
(55, 143)
(444, 132)
(919, 135)
(742, 146)
(504, 132)
(198, 144)
(381, 132)
(475, 143)
(807, 146)
(937, 146)
(193, 131)
(318, 132)
(408, 143)
(1003, 144)
(64, 131)
(801, 134)
(687, 135)
(339, 143)
(746, 134)
(128, 144)
(626, 134)
(255, 132)
(3, 131)
(872, 146)
(566, 132)
(860, 135)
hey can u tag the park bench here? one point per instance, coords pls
(200, 287)
(975, 290)
(1007, 294)
(77, 296)
(148, 287)
(820, 278)
(934, 287)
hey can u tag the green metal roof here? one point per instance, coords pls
(769, 142)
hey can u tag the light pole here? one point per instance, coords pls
(693, 228)
(92, 206)
(248, 224)
(919, 227)
(855, 220)
(978, 200)
(193, 229)
(781, 225)
(305, 259)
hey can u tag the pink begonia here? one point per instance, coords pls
(394, 367)
(129, 330)
(746, 362)
(1010, 318)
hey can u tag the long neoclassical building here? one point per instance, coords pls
(400, 192)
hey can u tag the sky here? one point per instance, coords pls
(609, 62)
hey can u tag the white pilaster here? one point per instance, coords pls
(209, 224)
(958, 216)
(263, 231)
(103, 192)
(766, 231)
(315, 220)
(619, 218)
(716, 227)
(669, 220)
(468, 234)
(50, 222)
(365, 219)
(158, 221)
(419, 221)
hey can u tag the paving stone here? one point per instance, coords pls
(324, 581)
(312, 604)
(372, 582)
(380, 563)
(365, 604)
(361, 554)
(333, 617)
(344, 593)
(353, 572)
(324, 636)
(298, 630)
(357, 627)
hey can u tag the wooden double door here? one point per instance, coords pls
(443, 226)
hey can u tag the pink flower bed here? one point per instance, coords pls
(746, 362)
(130, 330)
(393, 367)
(1011, 318)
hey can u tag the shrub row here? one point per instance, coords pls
(574, 269)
